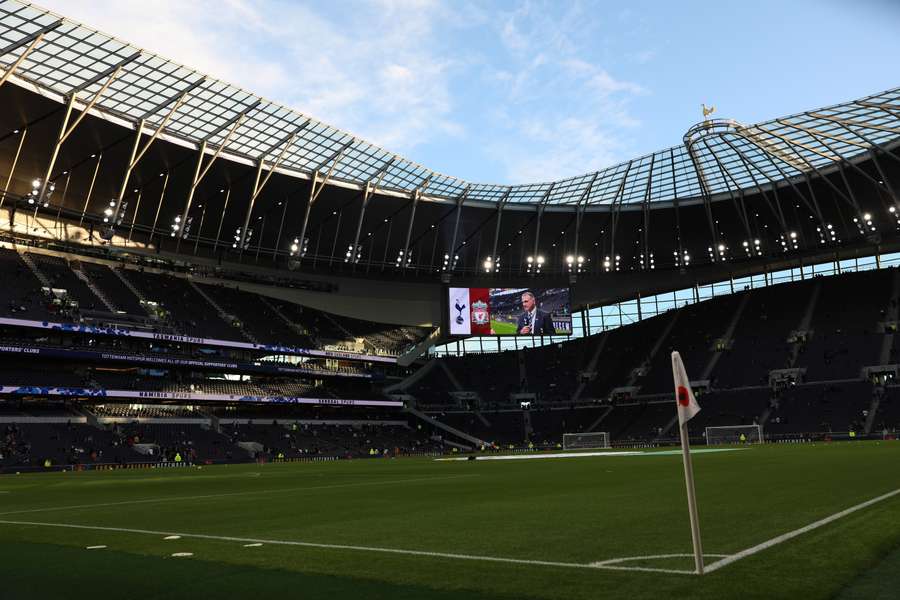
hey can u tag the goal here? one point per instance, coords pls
(584, 441)
(734, 434)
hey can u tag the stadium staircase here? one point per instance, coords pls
(877, 395)
(527, 427)
(340, 327)
(80, 274)
(453, 380)
(796, 347)
(805, 322)
(591, 368)
(410, 381)
(296, 328)
(92, 419)
(593, 426)
(480, 416)
(33, 267)
(408, 357)
(648, 360)
(221, 313)
(523, 371)
(452, 430)
(121, 275)
(725, 341)
(891, 315)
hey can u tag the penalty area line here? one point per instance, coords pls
(401, 551)
(797, 532)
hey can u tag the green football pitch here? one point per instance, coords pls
(612, 526)
(503, 328)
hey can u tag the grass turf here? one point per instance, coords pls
(572, 510)
(503, 328)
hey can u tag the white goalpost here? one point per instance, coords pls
(734, 434)
(585, 441)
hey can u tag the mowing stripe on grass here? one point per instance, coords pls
(422, 553)
(792, 534)
(229, 494)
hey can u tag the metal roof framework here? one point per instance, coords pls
(718, 158)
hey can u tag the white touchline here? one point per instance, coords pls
(792, 534)
(228, 494)
(426, 553)
(609, 564)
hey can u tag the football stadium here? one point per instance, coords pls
(248, 354)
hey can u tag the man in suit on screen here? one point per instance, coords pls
(534, 321)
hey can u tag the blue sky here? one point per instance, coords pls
(517, 92)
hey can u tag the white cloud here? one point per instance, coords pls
(572, 112)
(371, 73)
(392, 72)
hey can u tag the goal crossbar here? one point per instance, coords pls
(597, 439)
(734, 434)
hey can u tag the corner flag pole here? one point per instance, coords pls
(687, 408)
(692, 500)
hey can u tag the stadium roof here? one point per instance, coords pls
(716, 157)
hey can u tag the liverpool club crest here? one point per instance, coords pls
(480, 313)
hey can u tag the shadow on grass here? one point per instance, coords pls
(54, 572)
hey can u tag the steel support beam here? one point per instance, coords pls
(367, 196)
(32, 40)
(811, 203)
(811, 166)
(221, 220)
(774, 207)
(614, 212)
(417, 195)
(500, 204)
(162, 195)
(854, 166)
(12, 169)
(200, 228)
(459, 205)
(201, 171)
(87, 198)
(852, 123)
(540, 215)
(891, 109)
(316, 188)
(280, 229)
(258, 186)
(579, 209)
(107, 76)
(645, 209)
(137, 207)
(136, 153)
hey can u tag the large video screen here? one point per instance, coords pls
(509, 311)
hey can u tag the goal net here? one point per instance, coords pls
(574, 441)
(734, 434)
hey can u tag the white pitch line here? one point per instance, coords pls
(229, 494)
(615, 561)
(423, 553)
(792, 534)
(536, 456)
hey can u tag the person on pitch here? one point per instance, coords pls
(534, 321)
